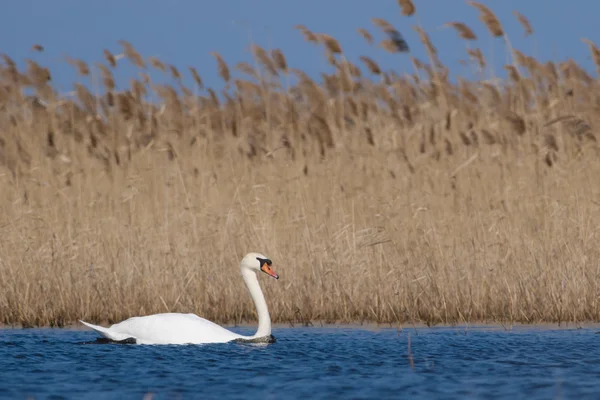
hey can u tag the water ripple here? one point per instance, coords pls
(308, 362)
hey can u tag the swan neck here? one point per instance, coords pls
(264, 319)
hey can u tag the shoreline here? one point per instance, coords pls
(370, 326)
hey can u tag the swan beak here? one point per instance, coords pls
(266, 268)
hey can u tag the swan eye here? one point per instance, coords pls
(264, 261)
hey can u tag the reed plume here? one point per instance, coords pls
(156, 63)
(395, 42)
(424, 37)
(222, 66)
(108, 79)
(383, 24)
(110, 58)
(488, 18)
(513, 73)
(279, 60)
(80, 65)
(132, 54)
(309, 36)
(595, 53)
(463, 30)
(478, 56)
(248, 69)
(524, 23)
(38, 75)
(174, 72)
(263, 58)
(371, 65)
(407, 6)
(330, 43)
(366, 35)
(197, 78)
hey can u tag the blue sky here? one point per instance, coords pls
(184, 32)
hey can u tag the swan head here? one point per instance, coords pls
(258, 262)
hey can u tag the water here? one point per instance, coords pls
(309, 363)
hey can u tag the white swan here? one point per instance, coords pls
(173, 328)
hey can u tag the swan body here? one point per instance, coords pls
(167, 328)
(175, 328)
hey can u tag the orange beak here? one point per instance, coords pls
(266, 268)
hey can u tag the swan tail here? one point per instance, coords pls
(106, 332)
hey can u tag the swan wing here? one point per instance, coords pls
(167, 328)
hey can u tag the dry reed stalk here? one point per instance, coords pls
(344, 78)
(108, 80)
(86, 98)
(331, 60)
(551, 71)
(424, 38)
(493, 92)
(352, 69)
(138, 89)
(478, 56)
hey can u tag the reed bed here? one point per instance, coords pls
(380, 197)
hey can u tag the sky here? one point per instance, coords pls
(185, 32)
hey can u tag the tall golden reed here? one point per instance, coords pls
(403, 199)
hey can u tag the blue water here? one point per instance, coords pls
(308, 363)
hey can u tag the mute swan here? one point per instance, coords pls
(173, 328)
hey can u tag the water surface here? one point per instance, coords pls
(309, 363)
